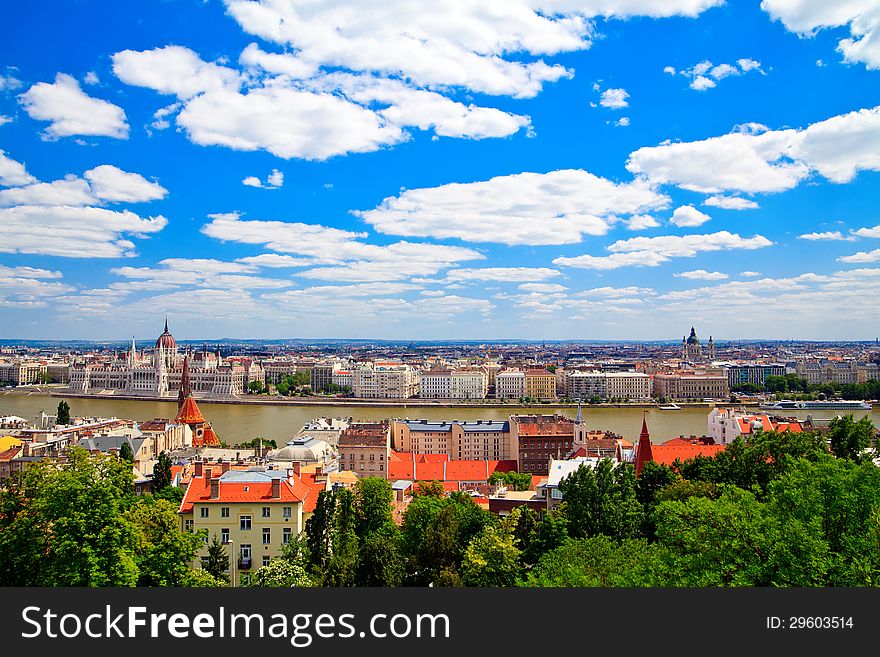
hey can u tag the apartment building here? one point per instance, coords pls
(510, 384)
(255, 513)
(470, 440)
(692, 385)
(364, 448)
(540, 384)
(385, 381)
(540, 438)
(454, 384)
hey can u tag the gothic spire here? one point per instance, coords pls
(643, 453)
(185, 388)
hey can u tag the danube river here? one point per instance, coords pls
(240, 422)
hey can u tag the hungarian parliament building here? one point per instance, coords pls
(159, 374)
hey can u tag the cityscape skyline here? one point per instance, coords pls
(548, 172)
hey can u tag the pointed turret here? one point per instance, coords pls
(579, 418)
(185, 388)
(643, 453)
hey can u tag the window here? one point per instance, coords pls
(203, 512)
(244, 523)
(266, 560)
(245, 551)
(267, 535)
(286, 512)
(224, 512)
(285, 535)
(267, 511)
(188, 525)
(224, 535)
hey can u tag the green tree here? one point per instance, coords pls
(600, 561)
(65, 525)
(62, 415)
(319, 530)
(685, 488)
(373, 498)
(429, 488)
(162, 551)
(125, 452)
(217, 561)
(517, 480)
(380, 562)
(161, 472)
(849, 438)
(492, 558)
(341, 569)
(736, 540)
(256, 387)
(653, 477)
(199, 578)
(281, 573)
(602, 500)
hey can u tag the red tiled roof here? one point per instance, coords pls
(199, 490)
(10, 453)
(667, 454)
(430, 467)
(315, 488)
(189, 412)
(546, 429)
(209, 438)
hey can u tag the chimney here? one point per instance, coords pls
(224, 467)
(215, 489)
(296, 468)
(276, 488)
(319, 470)
(199, 469)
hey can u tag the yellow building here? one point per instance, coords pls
(255, 513)
(8, 442)
(540, 384)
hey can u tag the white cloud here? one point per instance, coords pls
(702, 275)
(701, 83)
(653, 251)
(173, 70)
(750, 274)
(730, 203)
(748, 64)
(502, 274)
(751, 160)
(688, 216)
(275, 260)
(71, 111)
(273, 181)
(9, 83)
(558, 207)
(614, 98)
(706, 75)
(862, 256)
(197, 272)
(110, 183)
(91, 78)
(867, 232)
(27, 287)
(71, 191)
(4, 120)
(830, 235)
(74, 232)
(345, 256)
(13, 173)
(806, 17)
(542, 288)
(670, 70)
(622, 122)
(616, 292)
(642, 222)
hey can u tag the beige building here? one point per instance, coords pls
(473, 440)
(470, 383)
(20, 373)
(255, 513)
(384, 381)
(540, 384)
(510, 384)
(628, 385)
(692, 385)
(364, 449)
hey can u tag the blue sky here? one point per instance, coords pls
(614, 169)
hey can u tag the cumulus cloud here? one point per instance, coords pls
(653, 251)
(196, 272)
(109, 183)
(750, 274)
(558, 207)
(275, 260)
(73, 232)
(641, 222)
(861, 257)
(173, 70)
(502, 274)
(752, 159)
(702, 275)
(614, 98)
(830, 235)
(13, 173)
(71, 111)
(273, 181)
(29, 287)
(867, 232)
(342, 254)
(706, 75)
(806, 17)
(688, 216)
(542, 288)
(730, 203)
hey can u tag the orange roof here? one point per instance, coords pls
(189, 412)
(666, 454)
(209, 438)
(315, 488)
(745, 424)
(199, 490)
(430, 467)
(546, 429)
(10, 453)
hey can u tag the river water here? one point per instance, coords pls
(236, 423)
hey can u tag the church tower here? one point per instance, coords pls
(185, 387)
(711, 349)
(643, 451)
